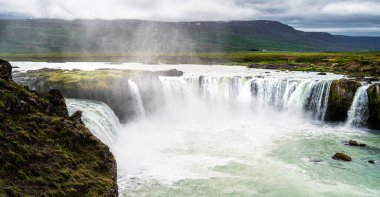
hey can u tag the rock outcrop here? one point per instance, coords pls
(44, 152)
(5, 70)
(342, 157)
(374, 106)
(107, 85)
(355, 143)
(342, 93)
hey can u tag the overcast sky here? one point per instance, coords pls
(350, 17)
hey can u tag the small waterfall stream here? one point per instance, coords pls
(138, 102)
(358, 114)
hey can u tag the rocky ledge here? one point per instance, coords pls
(111, 86)
(374, 106)
(44, 152)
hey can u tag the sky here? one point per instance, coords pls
(347, 17)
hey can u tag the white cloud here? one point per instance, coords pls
(299, 13)
(354, 7)
(171, 10)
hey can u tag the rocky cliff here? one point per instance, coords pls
(342, 93)
(110, 86)
(44, 152)
(374, 106)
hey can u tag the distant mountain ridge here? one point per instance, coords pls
(51, 35)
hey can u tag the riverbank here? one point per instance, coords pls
(355, 64)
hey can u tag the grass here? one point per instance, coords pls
(353, 63)
(44, 153)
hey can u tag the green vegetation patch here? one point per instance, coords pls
(45, 153)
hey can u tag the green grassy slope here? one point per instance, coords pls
(41, 36)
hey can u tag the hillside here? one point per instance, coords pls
(46, 152)
(43, 35)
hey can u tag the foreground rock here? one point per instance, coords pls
(341, 156)
(44, 152)
(374, 106)
(342, 93)
(355, 143)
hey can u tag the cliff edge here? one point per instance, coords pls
(43, 151)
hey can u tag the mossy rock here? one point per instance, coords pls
(342, 157)
(374, 106)
(46, 152)
(342, 93)
(110, 86)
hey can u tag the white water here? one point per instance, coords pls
(359, 112)
(137, 103)
(98, 117)
(217, 137)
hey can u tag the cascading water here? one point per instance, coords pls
(358, 114)
(98, 118)
(137, 100)
(233, 131)
(281, 93)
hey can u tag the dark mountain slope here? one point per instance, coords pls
(147, 36)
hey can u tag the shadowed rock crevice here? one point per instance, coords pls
(374, 106)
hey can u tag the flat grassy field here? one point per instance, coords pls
(352, 63)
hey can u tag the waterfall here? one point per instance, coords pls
(293, 94)
(358, 114)
(301, 95)
(219, 89)
(98, 118)
(137, 99)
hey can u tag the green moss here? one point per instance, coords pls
(66, 173)
(43, 152)
(338, 62)
(24, 93)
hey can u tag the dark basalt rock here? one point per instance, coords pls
(110, 86)
(341, 156)
(341, 95)
(43, 152)
(322, 73)
(170, 73)
(355, 143)
(5, 70)
(77, 117)
(374, 106)
(56, 98)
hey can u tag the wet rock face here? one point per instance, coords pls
(170, 73)
(355, 143)
(56, 98)
(342, 157)
(5, 70)
(106, 85)
(342, 93)
(77, 117)
(374, 106)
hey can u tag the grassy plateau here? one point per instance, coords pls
(355, 64)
